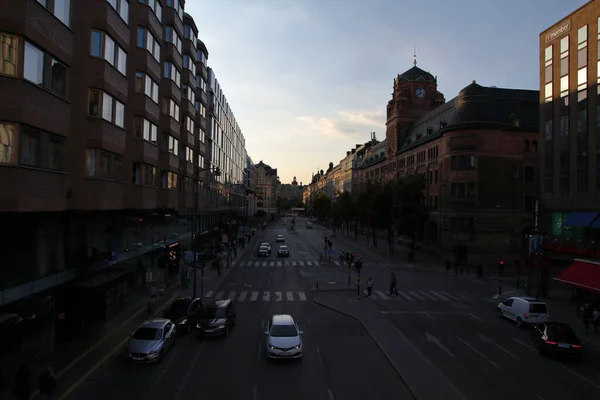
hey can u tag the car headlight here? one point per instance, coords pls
(222, 326)
(183, 322)
(297, 347)
(272, 347)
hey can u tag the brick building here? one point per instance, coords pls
(102, 132)
(478, 152)
(570, 160)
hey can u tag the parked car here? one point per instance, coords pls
(556, 338)
(184, 313)
(219, 316)
(280, 239)
(151, 340)
(283, 337)
(523, 310)
(283, 251)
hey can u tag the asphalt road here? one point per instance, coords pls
(340, 361)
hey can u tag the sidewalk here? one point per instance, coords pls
(422, 379)
(75, 359)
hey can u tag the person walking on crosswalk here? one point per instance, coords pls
(370, 287)
(393, 288)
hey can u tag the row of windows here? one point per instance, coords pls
(170, 71)
(177, 6)
(61, 9)
(145, 40)
(42, 69)
(155, 6)
(122, 8)
(144, 84)
(172, 37)
(104, 46)
(30, 147)
(102, 104)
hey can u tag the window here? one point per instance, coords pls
(170, 145)
(8, 136)
(548, 67)
(9, 54)
(40, 149)
(462, 224)
(200, 161)
(122, 8)
(200, 56)
(188, 94)
(101, 104)
(197, 106)
(549, 156)
(144, 174)
(155, 6)
(168, 180)
(145, 40)
(170, 71)
(189, 64)
(145, 129)
(104, 165)
(189, 124)
(201, 109)
(187, 185)
(60, 8)
(463, 162)
(582, 150)
(103, 46)
(169, 107)
(42, 69)
(188, 32)
(189, 154)
(462, 190)
(177, 6)
(144, 84)
(565, 151)
(200, 82)
(172, 37)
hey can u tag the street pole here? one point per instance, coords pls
(195, 226)
(201, 279)
(349, 275)
(358, 285)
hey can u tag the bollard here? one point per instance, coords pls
(317, 286)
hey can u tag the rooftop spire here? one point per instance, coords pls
(415, 57)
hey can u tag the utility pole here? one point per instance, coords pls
(195, 226)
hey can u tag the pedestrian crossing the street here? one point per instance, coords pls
(425, 295)
(248, 296)
(308, 263)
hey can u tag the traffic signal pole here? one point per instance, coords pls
(358, 285)
(349, 274)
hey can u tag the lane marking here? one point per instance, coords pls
(431, 317)
(302, 296)
(243, 296)
(254, 296)
(583, 378)
(255, 393)
(278, 296)
(480, 353)
(188, 374)
(475, 317)
(231, 295)
(407, 297)
(524, 344)
(266, 296)
(289, 296)
(330, 394)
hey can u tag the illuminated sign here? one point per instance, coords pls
(563, 28)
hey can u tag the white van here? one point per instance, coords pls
(523, 310)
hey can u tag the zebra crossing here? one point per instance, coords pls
(258, 296)
(306, 263)
(425, 295)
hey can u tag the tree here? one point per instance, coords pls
(342, 209)
(321, 206)
(410, 210)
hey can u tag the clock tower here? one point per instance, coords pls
(415, 94)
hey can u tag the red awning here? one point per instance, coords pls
(583, 274)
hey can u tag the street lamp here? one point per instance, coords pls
(217, 172)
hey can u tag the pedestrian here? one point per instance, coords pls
(153, 292)
(393, 288)
(22, 387)
(370, 287)
(587, 316)
(47, 383)
(596, 319)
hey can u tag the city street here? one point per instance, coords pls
(337, 349)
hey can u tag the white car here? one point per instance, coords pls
(283, 337)
(280, 239)
(523, 310)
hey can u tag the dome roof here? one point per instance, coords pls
(474, 89)
(416, 74)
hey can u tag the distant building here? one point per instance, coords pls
(267, 183)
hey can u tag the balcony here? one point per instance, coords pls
(170, 53)
(149, 64)
(141, 197)
(117, 28)
(25, 102)
(202, 123)
(187, 169)
(143, 151)
(201, 147)
(32, 190)
(203, 97)
(144, 16)
(168, 161)
(115, 82)
(99, 194)
(188, 108)
(170, 17)
(168, 199)
(204, 72)
(168, 88)
(190, 140)
(104, 135)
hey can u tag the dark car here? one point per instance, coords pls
(219, 316)
(283, 251)
(263, 251)
(280, 239)
(556, 338)
(184, 313)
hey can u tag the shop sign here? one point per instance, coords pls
(559, 31)
(573, 250)
(557, 222)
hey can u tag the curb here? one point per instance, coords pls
(381, 348)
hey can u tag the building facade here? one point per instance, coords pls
(570, 157)
(267, 183)
(102, 145)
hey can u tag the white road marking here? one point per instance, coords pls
(266, 296)
(381, 294)
(407, 297)
(524, 344)
(330, 394)
(279, 263)
(415, 294)
(444, 298)
(433, 298)
(475, 317)
(480, 353)
(257, 264)
(302, 296)
(243, 296)
(277, 296)
(289, 296)
(319, 355)
(231, 295)
(309, 263)
(272, 264)
(452, 297)
(583, 378)
(254, 296)
(431, 317)
(264, 264)
(255, 393)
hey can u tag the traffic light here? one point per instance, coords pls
(359, 264)
(501, 263)
(352, 257)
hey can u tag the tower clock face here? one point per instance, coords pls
(420, 93)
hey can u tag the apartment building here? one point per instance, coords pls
(102, 147)
(570, 158)
(267, 183)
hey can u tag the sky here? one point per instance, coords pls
(307, 80)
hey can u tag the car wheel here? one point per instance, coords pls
(226, 330)
(519, 322)
(498, 312)
(234, 323)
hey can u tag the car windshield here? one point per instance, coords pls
(537, 308)
(216, 312)
(282, 247)
(283, 331)
(265, 248)
(178, 307)
(264, 244)
(562, 334)
(147, 334)
(280, 236)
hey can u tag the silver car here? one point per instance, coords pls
(283, 338)
(151, 340)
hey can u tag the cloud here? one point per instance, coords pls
(346, 123)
